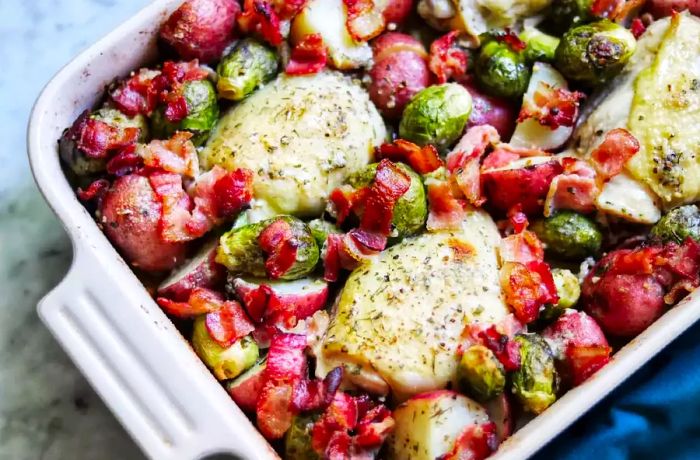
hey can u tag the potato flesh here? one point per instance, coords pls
(399, 317)
(428, 425)
(301, 136)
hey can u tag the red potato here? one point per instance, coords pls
(525, 181)
(130, 213)
(245, 388)
(281, 303)
(501, 413)
(400, 71)
(201, 271)
(494, 111)
(395, 11)
(201, 29)
(662, 8)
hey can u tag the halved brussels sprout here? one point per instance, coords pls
(568, 290)
(82, 165)
(500, 70)
(225, 363)
(240, 252)
(563, 14)
(535, 383)
(679, 224)
(569, 235)
(592, 54)
(411, 210)
(202, 113)
(540, 47)
(480, 374)
(436, 115)
(297, 441)
(249, 65)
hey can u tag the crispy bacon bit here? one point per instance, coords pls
(463, 162)
(347, 251)
(524, 152)
(476, 442)
(98, 139)
(637, 27)
(571, 191)
(259, 16)
(447, 60)
(341, 415)
(422, 160)
(200, 301)
(579, 167)
(498, 158)
(364, 20)
(287, 9)
(176, 155)
(317, 394)
(552, 107)
(308, 56)
(279, 244)
(518, 219)
(507, 351)
(182, 72)
(616, 149)
(521, 247)
(125, 162)
(95, 190)
(233, 192)
(176, 206)
(390, 183)
(374, 427)
(446, 211)
(228, 323)
(527, 287)
(346, 199)
(511, 39)
(176, 108)
(586, 361)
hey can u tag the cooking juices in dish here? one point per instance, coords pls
(393, 229)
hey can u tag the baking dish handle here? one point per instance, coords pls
(142, 368)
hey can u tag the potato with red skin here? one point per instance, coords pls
(525, 182)
(400, 71)
(624, 304)
(129, 214)
(663, 8)
(494, 111)
(395, 11)
(201, 29)
(201, 271)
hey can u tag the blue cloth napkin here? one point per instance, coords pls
(653, 415)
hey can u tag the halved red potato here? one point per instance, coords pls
(200, 271)
(524, 181)
(488, 110)
(246, 388)
(130, 213)
(281, 303)
(394, 11)
(201, 29)
(662, 8)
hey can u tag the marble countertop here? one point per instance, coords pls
(47, 409)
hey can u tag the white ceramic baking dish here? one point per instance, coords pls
(129, 350)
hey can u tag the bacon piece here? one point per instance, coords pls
(447, 60)
(604, 8)
(228, 323)
(552, 107)
(579, 167)
(463, 162)
(586, 361)
(317, 394)
(279, 244)
(286, 367)
(446, 211)
(98, 139)
(521, 247)
(637, 27)
(140, 93)
(390, 183)
(200, 301)
(476, 442)
(571, 191)
(507, 351)
(364, 20)
(346, 199)
(259, 16)
(95, 190)
(499, 158)
(422, 160)
(331, 258)
(184, 71)
(287, 9)
(176, 155)
(340, 416)
(527, 287)
(176, 206)
(374, 427)
(347, 251)
(611, 155)
(127, 161)
(308, 56)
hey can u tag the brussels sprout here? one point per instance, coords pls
(563, 14)
(679, 224)
(240, 252)
(411, 210)
(480, 374)
(569, 235)
(320, 229)
(436, 115)
(225, 363)
(202, 113)
(249, 65)
(501, 71)
(592, 54)
(297, 441)
(83, 165)
(540, 47)
(568, 290)
(535, 382)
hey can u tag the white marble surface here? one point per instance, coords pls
(47, 409)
